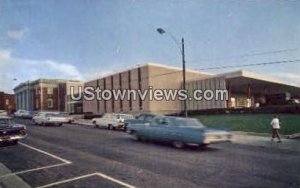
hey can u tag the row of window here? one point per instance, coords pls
(121, 86)
(49, 103)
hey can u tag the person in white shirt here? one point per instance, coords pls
(275, 123)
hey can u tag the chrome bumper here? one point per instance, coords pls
(11, 138)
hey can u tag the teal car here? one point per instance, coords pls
(179, 131)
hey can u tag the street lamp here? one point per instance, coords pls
(181, 48)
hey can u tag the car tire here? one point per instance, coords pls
(42, 124)
(110, 127)
(95, 124)
(203, 146)
(178, 144)
(136, 136)
(15, 142)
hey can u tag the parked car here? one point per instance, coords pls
(179, 132)
(11, 132)
(25, 114)
(140, 119)
(50, 118)
(112, 121)
(68, 117)
(3, 113)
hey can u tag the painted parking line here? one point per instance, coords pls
(64, 162)
(86, 176)
(46, 153)
(34, 169)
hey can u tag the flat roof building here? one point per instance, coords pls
(141, 78)
(244, 89)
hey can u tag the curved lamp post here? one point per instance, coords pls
(181, 48)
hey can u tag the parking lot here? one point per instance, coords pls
(82, 156)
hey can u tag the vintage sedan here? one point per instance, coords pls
(112, 121)
(50, 118)
(179, 131)
(140, 119)
(11, 132)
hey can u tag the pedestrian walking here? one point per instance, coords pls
(275, 123)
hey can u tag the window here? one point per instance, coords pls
(140, 88)
(112, 87)
(50, 91)
(50, 103)
(129, 87)
(37, 101)
(120, 83)
(104, 83)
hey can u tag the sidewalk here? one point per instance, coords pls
(10, 181)
(86, 122)
(264, 141)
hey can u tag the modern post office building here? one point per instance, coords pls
(245, 90)
(140, 78)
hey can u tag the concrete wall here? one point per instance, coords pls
(206, 84)
(166, 78)
(157, 76)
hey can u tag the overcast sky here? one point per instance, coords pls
(83, 39)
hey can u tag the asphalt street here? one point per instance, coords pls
(82, 156)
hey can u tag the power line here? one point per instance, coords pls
(247, 55)
(252, 64)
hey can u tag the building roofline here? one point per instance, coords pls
(145, 65)
(28, 82)
(253, 75)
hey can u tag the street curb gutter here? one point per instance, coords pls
(11, 181)
(293, 136)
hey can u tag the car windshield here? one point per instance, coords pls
(4, 122)
(64, 114)
(54, 115)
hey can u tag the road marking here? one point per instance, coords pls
(46, 153)
(34, 169)
(114, 180)
(65, 162)
(86, 176)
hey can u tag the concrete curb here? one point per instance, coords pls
(11, 181)
(293, 136)
(84, 122)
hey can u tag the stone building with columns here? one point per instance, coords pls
(45, 94)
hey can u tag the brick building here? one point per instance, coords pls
(7, 102)
(44, 94)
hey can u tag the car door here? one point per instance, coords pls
(104, 121)
(158, 129)
(37, 119)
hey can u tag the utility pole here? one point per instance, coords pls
(181, 48)
(183, 76)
